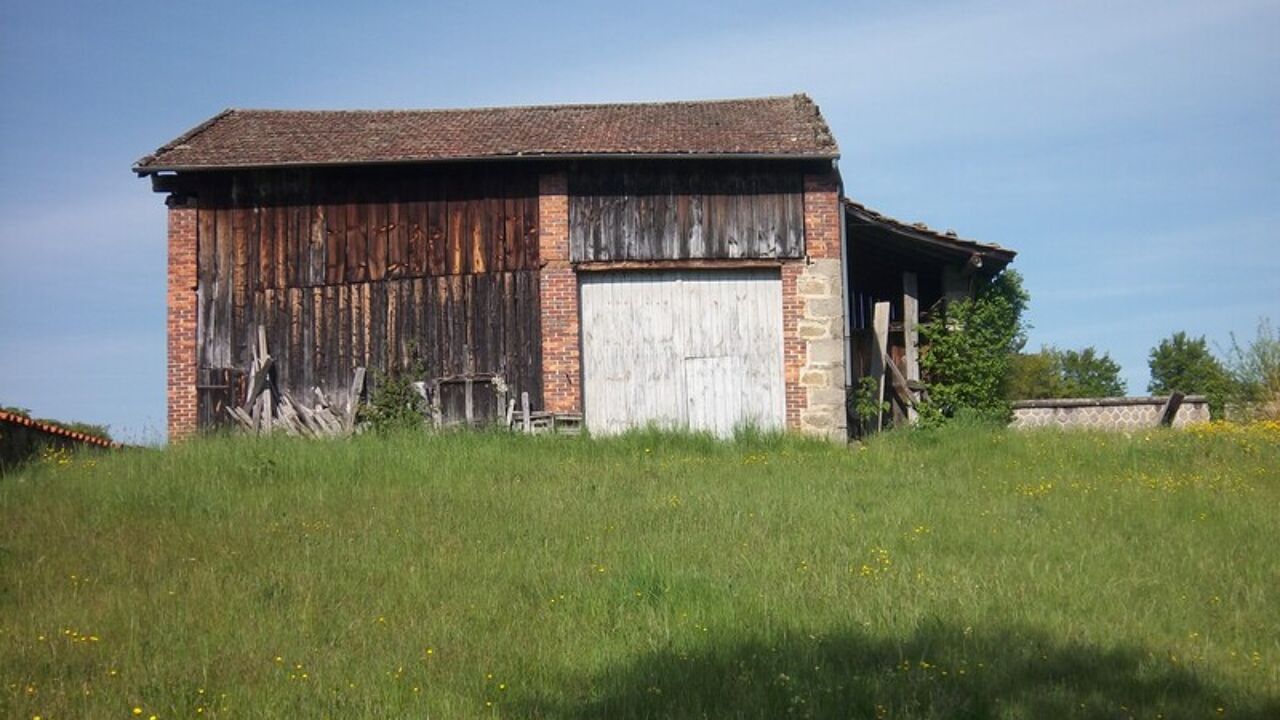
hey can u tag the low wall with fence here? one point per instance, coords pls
(1114, 413)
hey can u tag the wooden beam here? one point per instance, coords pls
(353, 398)
(736, 264)
(1170, 409)
(910, 334)
(259, 382)
(901, 389)
(880, 342)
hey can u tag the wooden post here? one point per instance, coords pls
(880, 342)
(525, 423)
(353, 398)
(911, 334)
(1170, 409)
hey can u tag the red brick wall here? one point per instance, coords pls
(822, 215)
(822, 241)
(561, 364)
(181, 319)
(793, 349)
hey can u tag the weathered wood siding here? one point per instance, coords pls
(380, 268)
(679, 211)
(694, 349)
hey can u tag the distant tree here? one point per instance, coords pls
(1054, 373)
(1086, 374)
(1185, 364)
(1033, 376)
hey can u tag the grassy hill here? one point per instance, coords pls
(958, 573)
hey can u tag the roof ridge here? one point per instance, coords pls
(801, 97)
(774, 126)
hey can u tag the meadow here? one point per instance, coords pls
(953, 573)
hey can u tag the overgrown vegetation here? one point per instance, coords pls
(968, 350)
(867, 405)
(394, 404)
(20, 445)
(1057, 373)
(1255, 368)
(956, 572)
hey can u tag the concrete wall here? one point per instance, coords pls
(1124, 413)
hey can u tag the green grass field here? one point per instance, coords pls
(966, 572)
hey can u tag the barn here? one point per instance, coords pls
(679, 263)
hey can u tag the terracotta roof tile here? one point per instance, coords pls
(789, 126)
(52, 429)
(920, 231)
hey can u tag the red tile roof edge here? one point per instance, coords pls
(52, 429)
(948, 237)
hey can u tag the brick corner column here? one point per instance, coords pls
(793, 348)
(558, 295)
(181, 318)
(813, 313)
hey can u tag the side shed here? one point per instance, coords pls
(911, 271)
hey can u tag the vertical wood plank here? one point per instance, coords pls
(206, 282)
(910, 333)
(398, 230)
(337, 243)
(437, 231)
(240, 285)
(392, 329)
(357, 234)
(529, 216)
(378, 225)
(455, 209)
(297, 342)
(879, 347)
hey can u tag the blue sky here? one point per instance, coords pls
(1129, 151)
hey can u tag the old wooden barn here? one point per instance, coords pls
(679, 263)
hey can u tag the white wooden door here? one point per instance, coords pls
(691, 349)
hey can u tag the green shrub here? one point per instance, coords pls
(969, 347)
(867, 405)
(394, 404)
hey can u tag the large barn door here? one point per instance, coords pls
(691, 349)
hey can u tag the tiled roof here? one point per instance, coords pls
(52, 429)
(789, 126)
(920, 231)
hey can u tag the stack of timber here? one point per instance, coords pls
(538, 422)
(266, 409)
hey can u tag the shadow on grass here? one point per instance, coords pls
(940, 671)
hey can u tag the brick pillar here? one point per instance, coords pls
(181, 319)
(561, 362)
(813, 317)
(793, 348)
